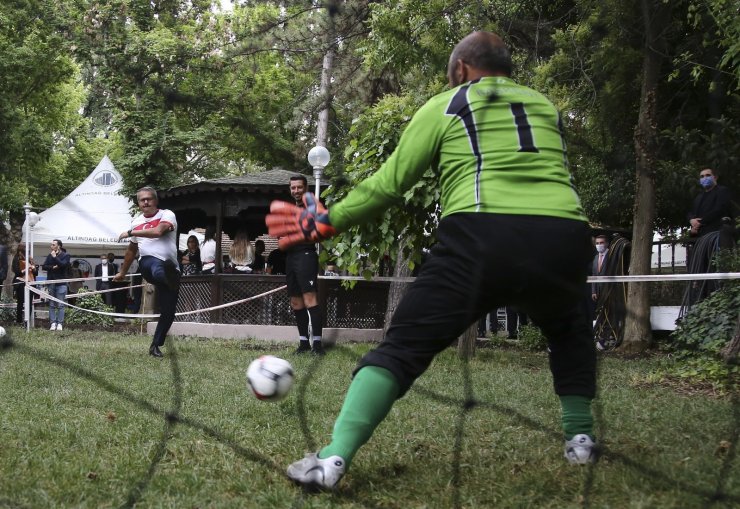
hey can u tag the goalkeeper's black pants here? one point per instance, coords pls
(484, 261)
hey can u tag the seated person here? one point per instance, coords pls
(241, 253)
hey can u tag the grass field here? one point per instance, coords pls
(89, 420)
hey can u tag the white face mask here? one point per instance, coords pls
(105, 262)
(601, 248)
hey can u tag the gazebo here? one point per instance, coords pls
(231, 204)
(241, 203)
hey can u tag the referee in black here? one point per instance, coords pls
(301, 272)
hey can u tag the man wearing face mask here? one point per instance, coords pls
(104, 273)
(598, 267)
(710, 206)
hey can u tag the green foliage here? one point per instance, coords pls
(709, 324)
(45, 144)
(7, 314)
(374, 136)
(703, 333)
(92, 302)
(530, 338)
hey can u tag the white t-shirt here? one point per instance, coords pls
(164, 247)
(208, 251)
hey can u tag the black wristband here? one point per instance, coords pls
(129, 233)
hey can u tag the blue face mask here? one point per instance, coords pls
(706, 182)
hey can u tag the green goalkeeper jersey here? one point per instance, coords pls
(496, 146)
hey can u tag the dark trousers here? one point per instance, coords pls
(482, 262)
(514, 319)
(108, 296)
(20, 299)
(152, 269)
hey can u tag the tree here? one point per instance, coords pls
(46, 150)
(638, 334)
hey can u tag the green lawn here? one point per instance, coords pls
(90, 420)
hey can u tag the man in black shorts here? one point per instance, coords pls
(301, 271)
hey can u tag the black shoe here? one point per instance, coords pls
(172, 275)
(155, 352)
(318, 349)
(302, 348)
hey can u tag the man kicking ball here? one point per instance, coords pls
(498, 151)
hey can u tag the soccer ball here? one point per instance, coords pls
(269, 378)
(2, 332)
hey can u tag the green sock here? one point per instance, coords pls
(369, 399)
(577, 417)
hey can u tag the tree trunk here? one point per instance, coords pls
(396, 290)
(466, 342)
(637, 331)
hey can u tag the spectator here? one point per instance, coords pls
(598, 266)
(104, 273)
(121, 294)
(514, 320)
(276, 262)
(57, 265)
(74, 286)
(258, 265)
(241, 253)
(18, 266)
(190, 263)
(711, 205)
(153, 235)
(208, 251)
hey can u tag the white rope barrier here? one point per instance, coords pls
(47, 296)
(666, 277)
(591, 279)
(73, 280)
(95, 292)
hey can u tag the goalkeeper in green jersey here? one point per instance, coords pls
(497, 148)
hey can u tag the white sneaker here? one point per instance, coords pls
(317, 472)
(53, 326)
(581, 450)
(59, 326)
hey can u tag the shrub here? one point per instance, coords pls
(531, 338)
(707, 328)
(92, 302)
(7, 314)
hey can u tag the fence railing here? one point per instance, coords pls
(362, 307)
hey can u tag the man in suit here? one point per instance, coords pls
(598, 266)
(119, 297)
(104, 273)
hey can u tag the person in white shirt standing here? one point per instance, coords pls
(153, 235)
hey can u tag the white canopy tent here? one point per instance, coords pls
(89, 220)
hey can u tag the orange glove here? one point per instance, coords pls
(296, 225)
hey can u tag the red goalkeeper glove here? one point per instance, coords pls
(296, 225)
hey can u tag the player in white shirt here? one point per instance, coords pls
(153, 236)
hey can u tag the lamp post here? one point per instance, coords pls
(31, 219)
(318, 158)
